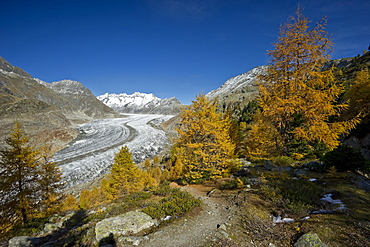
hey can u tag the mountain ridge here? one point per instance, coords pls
(141, 103)
(48, 116)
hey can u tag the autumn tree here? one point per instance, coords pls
(359, 94)
(29, 182)
(296, 96)
(203, 147)
(50, 183)
(125, 177)
(91, 198)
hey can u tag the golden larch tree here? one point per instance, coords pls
(125, 177)
(29, 182)
(359, 94)
(296, 95)
(203, 146)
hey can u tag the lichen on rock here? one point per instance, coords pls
(129, 223)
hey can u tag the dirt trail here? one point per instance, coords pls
(198, 228)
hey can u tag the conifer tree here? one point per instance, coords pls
(296, 96)
(28, 180)
(19, 177)
(125, 176)
(204, 146)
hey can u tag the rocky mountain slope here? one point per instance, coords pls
(82, 99)
(141, 103)
(48, 114)
(239, 89)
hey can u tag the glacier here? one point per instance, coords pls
(91, 154)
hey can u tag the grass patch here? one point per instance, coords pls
(296, 196)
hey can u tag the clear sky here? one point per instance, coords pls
(166, 47)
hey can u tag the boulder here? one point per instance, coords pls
(135, 241)
(309, 240)
(23, 241)
(268, 165)
(314, 166)
(123, 225)
(57, 222)
(243, 172)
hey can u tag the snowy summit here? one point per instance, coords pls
(140, 103)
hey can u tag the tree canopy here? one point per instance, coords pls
(296, 96)
(204, 147)
(29, 182)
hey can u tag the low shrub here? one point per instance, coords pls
(295, 196)
(162, 190)
(283, 161)
(178, 203)
(231, 184)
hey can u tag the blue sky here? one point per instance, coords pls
(167, 47)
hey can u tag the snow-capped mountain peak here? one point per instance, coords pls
(140, 103)
(125, 100)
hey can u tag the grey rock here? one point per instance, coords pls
(300, 172)
(314, 166)
(282, 169)
(243, 172)
(309, 240)
(132, 240)
(268, 165)
(123, 225)
(57, 222)
(23, 241)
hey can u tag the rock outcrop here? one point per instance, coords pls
(23, 241)
(123, 225)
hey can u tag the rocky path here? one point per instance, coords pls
(212, 223)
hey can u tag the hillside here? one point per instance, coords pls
(239, 89)
(48, 114)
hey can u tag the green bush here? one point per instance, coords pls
(162, 190)
(178, 203)
(345, 158)
(231, 184)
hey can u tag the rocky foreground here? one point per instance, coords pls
(227, 217)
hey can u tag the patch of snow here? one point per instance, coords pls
(328, 198)
(278, 219)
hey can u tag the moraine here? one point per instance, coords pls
(91, 154)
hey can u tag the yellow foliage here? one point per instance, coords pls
(91, 198)
(359, 94)
(125, 177)
(203, 146)
(262, 140)
(69, 204)
(297, 98)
